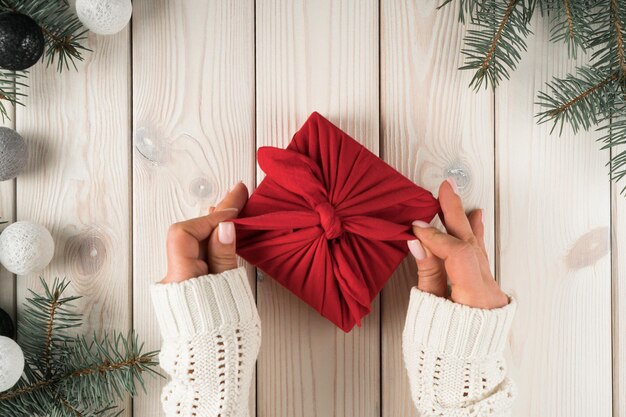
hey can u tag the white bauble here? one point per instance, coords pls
(104, 17)
(26, 247)
(11, 363)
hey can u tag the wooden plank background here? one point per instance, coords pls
(163, 117)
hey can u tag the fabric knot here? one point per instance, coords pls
(329, 221)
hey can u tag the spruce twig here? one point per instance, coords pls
(69, 376)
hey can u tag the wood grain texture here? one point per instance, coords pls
(193, 89)
(316, 56)
(7, 214)
(618, 239)
(554, 215)
(434, 126)
(77, 179)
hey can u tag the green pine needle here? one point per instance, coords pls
(67, 375)
(591, 98)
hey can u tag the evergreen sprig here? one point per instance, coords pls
(67, 375)
(64, 36)
(593, 97)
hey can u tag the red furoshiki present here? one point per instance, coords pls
(330, 220)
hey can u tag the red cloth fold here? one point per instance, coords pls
(330, 220)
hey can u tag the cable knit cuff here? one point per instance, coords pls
(455, 329)
(202, 304)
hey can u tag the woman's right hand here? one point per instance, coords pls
(206, 244)
(458, 256)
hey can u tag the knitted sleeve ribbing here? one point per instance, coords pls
(211, 337)
(453, 355)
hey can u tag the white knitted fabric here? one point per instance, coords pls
(453, 354)
(212, 334)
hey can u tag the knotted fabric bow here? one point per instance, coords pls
(330, 220)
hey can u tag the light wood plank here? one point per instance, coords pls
(618, 240)
(76, 184)
(193, 89)
(316, 55)
(554, 235)
(7, 214)
(434, 126)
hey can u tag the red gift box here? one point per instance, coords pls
(330, 220)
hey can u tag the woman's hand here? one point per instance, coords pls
(458, 256)
(205, 244)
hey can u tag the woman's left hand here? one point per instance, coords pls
(205, 244)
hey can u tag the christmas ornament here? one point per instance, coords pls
(11, 363)
(21, 41)
(104, 17)
(7, 328)
(330, 220)
(13, 153)
(25, 247)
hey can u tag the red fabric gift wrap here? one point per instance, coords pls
(330, 220)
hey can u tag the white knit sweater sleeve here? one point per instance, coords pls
(453, 355)
(211, 337)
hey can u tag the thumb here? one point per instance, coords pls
(431, 274)
(222, 256)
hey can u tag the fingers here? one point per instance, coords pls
(222, 247)
(431, 275)
(201, 228)
(478, 228)
(456, 221)
(442, 245)
(236, 197)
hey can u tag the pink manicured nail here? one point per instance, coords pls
(416, 248)
(420, 223)
(452, 183)
(226, 233)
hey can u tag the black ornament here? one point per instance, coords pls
(21, 41)
(6, 325)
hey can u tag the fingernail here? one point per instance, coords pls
(416, 248)
(420, 223)
(226, 233)
(234, 185)
(452, 183)
(480, 215)
(229, 209)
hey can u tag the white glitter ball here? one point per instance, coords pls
(26, 247)
(104, 17)
(11, 363)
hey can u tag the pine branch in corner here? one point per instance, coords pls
(68, 375)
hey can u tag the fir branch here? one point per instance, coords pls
(619, 40)
(570, 24)
(576, 100)
(492, 47)
(67, 376)
(49, 328)
(494, 43)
